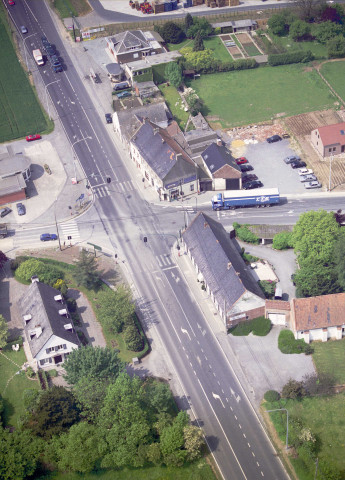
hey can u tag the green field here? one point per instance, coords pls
(175, 104)
(251, 50)
(219, 51)
(12, 385)
(329, 357)
(334, 73)
(77, 7)
(252, 96)
(319, 51)
(172, 47)
(21, 113)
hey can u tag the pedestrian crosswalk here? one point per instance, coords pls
(101, 192)
(164, 261)
(69, 232)
(118, 187)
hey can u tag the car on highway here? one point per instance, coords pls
(298, 164)
(314, 184)
(31, 138)
(45, 42)
(45, 237)
(241, 160)
(305, 171)
(5, 211)
(246, 168)
(307, 178)
(21, 209)
(108, 118)
(253, 184)
(291, 158)
(273, 139)
(23, 29)
(249, 178)
(55, 63)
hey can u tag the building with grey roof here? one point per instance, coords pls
(48, 326)
(163, 162)
(220, 267)
(236, 25)
(14, 173)
(221, 167)
(133, 45)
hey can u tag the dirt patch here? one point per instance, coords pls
(244, 38)
(303, 124)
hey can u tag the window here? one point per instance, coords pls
(48, 350)
(135, 55)
(329, 149)
(334, 149)
(192, 188)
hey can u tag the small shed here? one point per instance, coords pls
(189, 73)
(145, 89)
(115, 72)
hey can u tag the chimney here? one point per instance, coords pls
(219, 142)
(38, 329)
(27, 318)
(34, 279)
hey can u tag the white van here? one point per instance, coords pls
(278, 293)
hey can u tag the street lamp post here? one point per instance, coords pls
(25, 52)
(330, 174)
(287, 423)
(46, 88)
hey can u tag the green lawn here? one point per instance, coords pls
(251, 50)
(77, 7)
(216, 45)
(319, 51)
(175, 104)
(334, 72)
(172, 47)
(199, 470)
(329, 358)
(21, 113)
(252, 96)
(12, 386)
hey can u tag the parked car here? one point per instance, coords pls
(314, 184)
(298, 164)
(50, 49)
(253, 184)
(20, 209)
(23, 29)
(305, 171)
(241, 160)
(291, 158)
(45, 42)
(108, 118)
(307, 178)
(31, 138)
(5, 211)
(286, 135)
(249, 178)
(274, 138)
(54, 60)
(45, 237)
(246, 167)
(11, 2)
(123, 94)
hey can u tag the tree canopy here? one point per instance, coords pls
(299, 30)
(86, 272)
(173, 74)
(172, 33)
(3, 332)
(116, 308)
(198, 43)
(45, 273)
(201, 26)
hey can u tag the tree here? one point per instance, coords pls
(30, 399)
(90, 394)
(326, 31)
(319, 384)
(300, 30)
(307, 9)
(172, 33)
(193, 101)
(203, 61)
(92, 363)
(282, 240)
(159, 396)
(172, 441)
(55, 413)
(277, 24)
(133, 339)
(116, 308)
(200, 27)
(86, 272)
(339, 260)
(78, 450)
(198, 43)
(45, 273)
(3, 332)
(3, 259)
(173, 74)
(188, 22)
(193, 441)
(336, 47)
(154, 454)
(333, 13)
(293, 389)
(316, 279)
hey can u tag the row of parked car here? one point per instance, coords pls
(249, 181)
(51, 55)
(306, 175)
(20, 209)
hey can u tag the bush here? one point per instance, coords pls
(268, 287)
(259, 326)
(272, 396)
(293, 389)
(244, 234)
(52, 373)
(61, 285)
(72, 305)
(247, 257)
(288, 344)
(299, 56)
(241, 329)
(172, 33)
(46, 274)
(17, 262)
(282, 241)
(133, 338)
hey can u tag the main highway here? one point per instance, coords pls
(232, 429)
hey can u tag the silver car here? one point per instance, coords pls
(314, 184)
(307, 178)
(23, 29)
(291, 158)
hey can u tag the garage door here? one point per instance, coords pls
(277, 318)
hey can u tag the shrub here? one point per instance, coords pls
(30, 373)
(241, 329)
(247, 257)
(133, 338)
(71, 304)
(268, 287)
(52, 373)
(61, 285)
(272, 396)
(15, 263)
(244, 234)
(288, 344)
(46, 274)
(282, 241)
(299, 56)
(261, 326)
(293, 389)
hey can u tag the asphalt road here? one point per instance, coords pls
(233, 432)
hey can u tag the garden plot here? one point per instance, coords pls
(248, 44)
(233, 50)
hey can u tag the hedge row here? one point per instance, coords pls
(290, 57)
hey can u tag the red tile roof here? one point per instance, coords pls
(319, 312)
(278, 304)
(330, 134)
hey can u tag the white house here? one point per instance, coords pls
(47, 325)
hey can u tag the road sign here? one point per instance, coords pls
(97, 247)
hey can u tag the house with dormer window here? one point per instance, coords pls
(48, 326)
(133, 45)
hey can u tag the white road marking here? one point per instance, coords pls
(183, 330)
(217, 397)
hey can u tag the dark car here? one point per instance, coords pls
(57, 68)
(246, 168)
(50, 49)
(44, 41)
(241, 160)
(20, 209)
(298, 164)
(249, 178)
(5, 211)
(45, 237)
(274, 138)
(253, 184)
(54, 60)
(108, 118)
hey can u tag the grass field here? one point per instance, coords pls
(334, 72)
(172, 47)
(175, 104)
(329, 357)
(199, 470)
(21, 113)
(219, 51)
(12, 385)
(77, 7)
(252, 96)
(319, 51)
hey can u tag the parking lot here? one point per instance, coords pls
(269, 166)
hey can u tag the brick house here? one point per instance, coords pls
(133, 45)
(329, 139)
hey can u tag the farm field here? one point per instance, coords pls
(175, 104)
(21, 113)
(334, 73)
(252, 96)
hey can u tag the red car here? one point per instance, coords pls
(241, 160)
(11, 2)
(31, 138)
